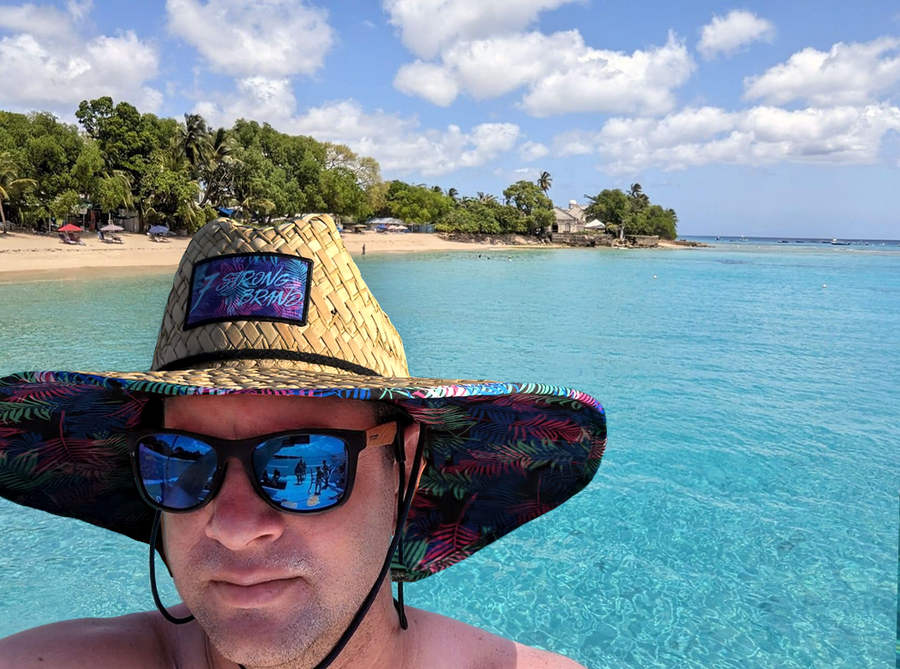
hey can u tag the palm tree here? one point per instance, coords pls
(453, 193)
(639, 199)
(248, 198)
(193, 138)
(545, 181)
(437, 189)
(9, 177)
(486, 198)
(113, 190)
(217, 171)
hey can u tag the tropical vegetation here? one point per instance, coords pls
(632, 213)
(185, 173)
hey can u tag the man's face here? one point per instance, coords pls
(313, 571)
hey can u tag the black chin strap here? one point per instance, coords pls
(159, 605)
(403, 511)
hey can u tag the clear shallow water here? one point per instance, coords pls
(746, 511)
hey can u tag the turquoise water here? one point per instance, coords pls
(746, 511)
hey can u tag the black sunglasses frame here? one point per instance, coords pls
(242, 449)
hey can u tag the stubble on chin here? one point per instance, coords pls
(308, 626)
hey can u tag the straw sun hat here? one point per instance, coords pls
(284, 311)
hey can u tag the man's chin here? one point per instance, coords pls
(262, 636)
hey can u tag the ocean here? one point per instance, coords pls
(746, 510)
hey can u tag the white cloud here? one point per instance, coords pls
(532, 151)
(427, 26)
(847, 74)
(519, 174)
(727, 36)
(79, 8)
(44, 73)
(428, 81)
(560, 72)
(574, 143)
(40, 20)
(758, 136)
(398, 143)
(243, 38)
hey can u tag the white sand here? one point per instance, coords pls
(22, 252)
(27, 252)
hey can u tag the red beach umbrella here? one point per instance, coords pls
(68, 227)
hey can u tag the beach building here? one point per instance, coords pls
(573, 219)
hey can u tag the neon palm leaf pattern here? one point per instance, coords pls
(253, 286)
(497, 455)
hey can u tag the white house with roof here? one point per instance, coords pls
(573, 219)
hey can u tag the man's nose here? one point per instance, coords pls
(240, 519)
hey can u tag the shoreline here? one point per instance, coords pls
(42, 257)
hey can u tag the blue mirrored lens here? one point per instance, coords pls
(177, 471)
(303, 472)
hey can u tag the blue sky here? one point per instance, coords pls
(760, 118)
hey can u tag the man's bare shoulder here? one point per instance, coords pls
(451, 643)
(129, 642)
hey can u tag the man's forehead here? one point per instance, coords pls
(244, 415)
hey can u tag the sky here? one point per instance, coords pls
(761, 118)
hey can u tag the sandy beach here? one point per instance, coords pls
(22, 252)
(26, 252)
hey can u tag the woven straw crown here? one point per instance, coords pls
(345, 328)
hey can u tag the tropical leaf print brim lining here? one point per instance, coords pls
(497, 455)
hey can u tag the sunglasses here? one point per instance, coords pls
(300, 471)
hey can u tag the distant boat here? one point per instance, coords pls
(784, 241)
(799, 241)
(835, 242)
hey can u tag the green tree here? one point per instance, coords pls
(125, 137)
(366, 170)
(527, 197)
(342, 193)
(638, 199)
(453, 194)
(64, 205)
(611, 207)
(9, 180)
(417, 205)
(654, 220)
(113, 190)
(48, 157)
(169, 196)
(531, 202)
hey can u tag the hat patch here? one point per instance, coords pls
(249, 286)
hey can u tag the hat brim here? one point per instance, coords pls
(497, 455)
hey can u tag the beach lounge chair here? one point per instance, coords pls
(63, 238)
(117, 239)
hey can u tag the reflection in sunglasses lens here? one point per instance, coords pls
(176, 470)
(302, 472)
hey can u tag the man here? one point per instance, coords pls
(271, 348)
(300, 471)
